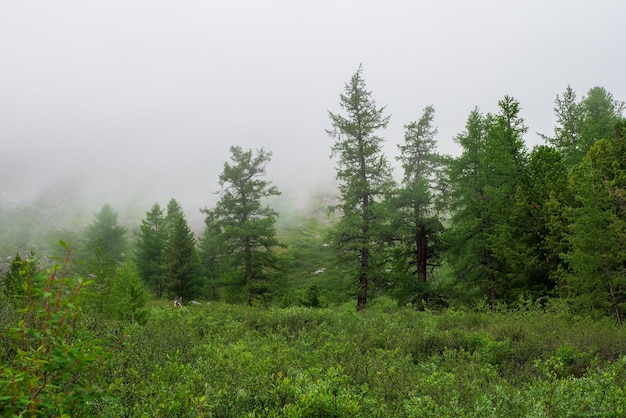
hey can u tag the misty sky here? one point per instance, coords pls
(141, 100)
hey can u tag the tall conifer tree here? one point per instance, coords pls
(365, 180)
(484, 182)
(598, 229)
(415, 218)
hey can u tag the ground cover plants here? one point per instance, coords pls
(222, 360)
(225, 360)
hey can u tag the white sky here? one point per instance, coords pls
(141, 100)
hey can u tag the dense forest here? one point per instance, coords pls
(491, 283)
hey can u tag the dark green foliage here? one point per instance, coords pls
(531, 248)
(415, 208)
(364, 182)
(240, 237)
(484, 181)
(180, 257)
(597, 229)
(14, 279)
(150, 246)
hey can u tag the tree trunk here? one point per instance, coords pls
(421, 242)
(363, 280)
(492, 294)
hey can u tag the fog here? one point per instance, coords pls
(132, 102)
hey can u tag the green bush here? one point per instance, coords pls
(49, 371)
(222, 360)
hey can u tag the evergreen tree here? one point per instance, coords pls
(600, 113)
(415, 215)
(211, 254)
(13, 281)
(181, 261)
(245, 227)
(129, 295)
(581, 123)
(151, 242)
(365, 181)
(106, 245)
(531, 247)
(484, 180)
(566, 137)
(598, 229)
(105, 232)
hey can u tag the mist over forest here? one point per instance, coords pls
(293, 209)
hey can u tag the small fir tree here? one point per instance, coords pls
(182, 264)
(150, 246)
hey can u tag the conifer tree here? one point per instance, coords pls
(211, 255)
(181, 261)
(245, 227)
(597, 281)
(484, 181)
(150, 246)
(415, 218)
(106, 246)
(581, 123)
(104, 232)
(529, 244)
(365, 181)
(129, 295)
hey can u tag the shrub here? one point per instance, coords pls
(50, 372)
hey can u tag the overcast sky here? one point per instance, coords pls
(141, 100)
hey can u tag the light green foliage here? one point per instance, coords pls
(231, 360)
(106, 239)
(365, 181)
(209, 251)
(105, 249)
(128, 295)
(309, 263)
(49, 371)
(242, 229)
(581, 123)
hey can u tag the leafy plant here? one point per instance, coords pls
(50, 372)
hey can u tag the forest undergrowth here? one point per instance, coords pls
(222, 360)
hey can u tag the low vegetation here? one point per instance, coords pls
(222, 360)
